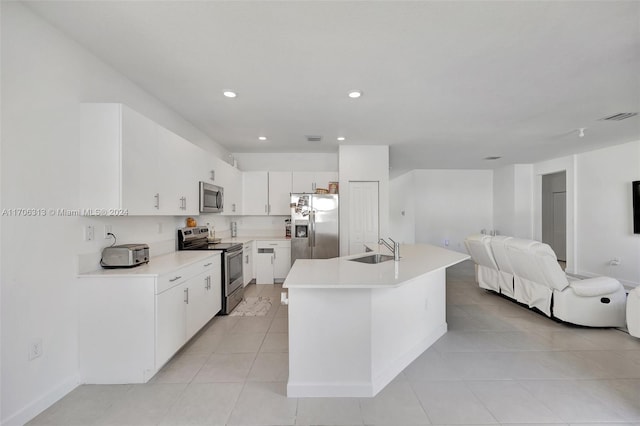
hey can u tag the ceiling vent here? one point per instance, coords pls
(311, 138)
(620, 116)
(492, 158)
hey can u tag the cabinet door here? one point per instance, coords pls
(215, 289)
(178, 181)
(170, 323)
(264, 268)
(139, 163)
(282, 262)
(279, 193)
(247, 263)
(198, 303)
(255, 187)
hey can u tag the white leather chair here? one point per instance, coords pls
(530, 287)
(594, 302)
(505, 271)
(633, 312)
(487, 274)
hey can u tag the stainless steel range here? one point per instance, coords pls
(195, 238)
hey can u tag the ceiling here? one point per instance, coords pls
(445, 84)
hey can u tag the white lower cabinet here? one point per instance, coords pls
(131, 324)
(274, 261)
(247, 263)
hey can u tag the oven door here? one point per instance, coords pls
(233, 271)
(211, 198)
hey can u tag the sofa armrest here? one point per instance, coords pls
(597, 286)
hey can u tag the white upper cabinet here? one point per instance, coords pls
(255, 193)
(309, 181)
(266, 193)
(179, 190)
(279, 193)
(131, 165)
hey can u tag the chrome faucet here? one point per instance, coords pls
(395, 249)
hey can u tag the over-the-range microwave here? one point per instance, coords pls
(211, 198)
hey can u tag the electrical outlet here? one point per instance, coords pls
(35, 349)
(446, 243)
(615, 261)
(89, 233)
(107, 231)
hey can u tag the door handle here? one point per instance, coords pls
(157, 197)
(186, 296)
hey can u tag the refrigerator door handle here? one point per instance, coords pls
(312, 228)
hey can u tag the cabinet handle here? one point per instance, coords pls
(157, 197)
(206, 282)
(208, 264)
(266, 209)
(233, 207)
(213, 175)
(269, 209)
(186, 296)
(274, 254)
(183, 203)
(247, 259)
(313, 186)
(175, 279)
(272, 257)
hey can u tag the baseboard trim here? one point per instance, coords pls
(41, 403)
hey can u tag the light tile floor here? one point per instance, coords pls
(498, 364)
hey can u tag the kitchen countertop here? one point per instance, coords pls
(157, 265)
(250, 238)
(340, 272)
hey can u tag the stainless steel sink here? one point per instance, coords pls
(373, 258)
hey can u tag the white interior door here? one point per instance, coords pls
(363, 216)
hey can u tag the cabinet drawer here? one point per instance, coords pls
(174, 278)
(274, 244)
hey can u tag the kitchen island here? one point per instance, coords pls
(353, 327)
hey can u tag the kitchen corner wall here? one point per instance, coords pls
(45, 77)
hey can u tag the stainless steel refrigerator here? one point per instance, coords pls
(314, 226)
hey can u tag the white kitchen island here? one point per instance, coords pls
(353, 327)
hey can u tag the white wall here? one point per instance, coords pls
(604, 206)
(513, 200)
(363, 163)
(45, 77)
(284, 162)
(452, 204)
(402, 217)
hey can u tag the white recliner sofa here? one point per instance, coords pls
(633, 312)
(528, 272)
(487, 272)
(594, 302)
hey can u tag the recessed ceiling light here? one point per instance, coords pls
(229, 94)
(354, 94)
(341, 138)
(581, 132)
(262, 138)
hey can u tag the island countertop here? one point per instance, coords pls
(340, 272)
